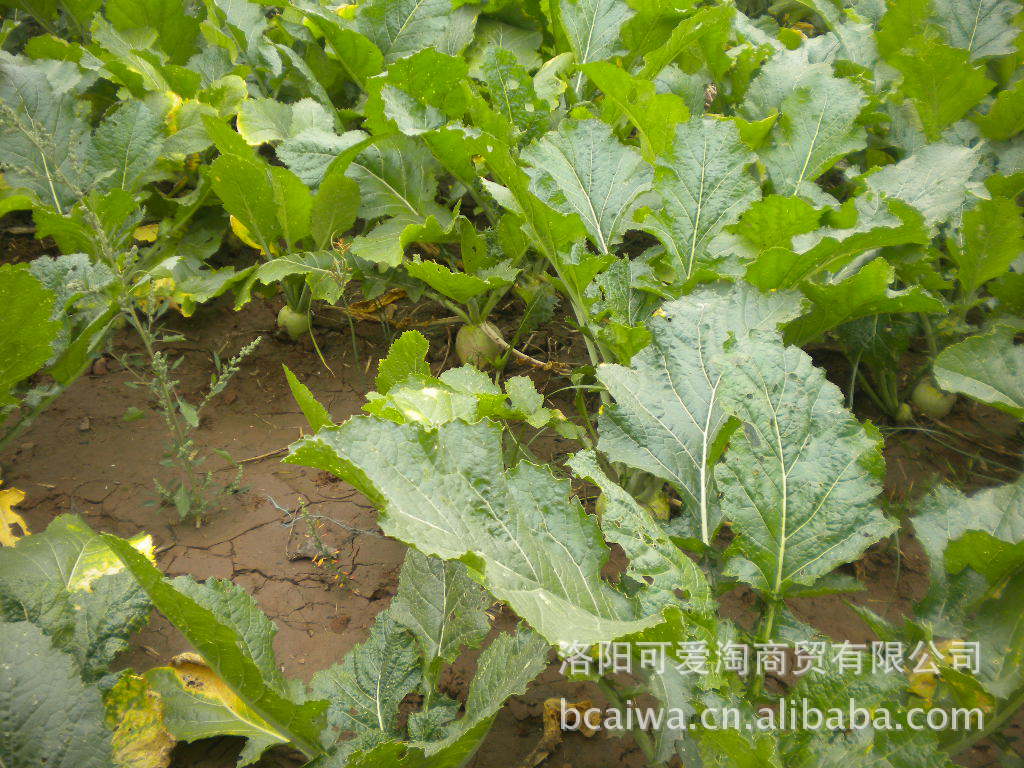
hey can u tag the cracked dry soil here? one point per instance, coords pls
(82, 457)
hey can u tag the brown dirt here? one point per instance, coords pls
(82, 457)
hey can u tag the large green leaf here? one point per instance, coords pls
(512, 94)
(982, 27)
(402, 27)
(365, 690)
(991, 541)
(583, 169)
(993, 238)
(227, 653)
(67, 582)
(448, 493)
(817, 127)
(236, 608)
(244, 188)
(197, 705)
(68, 553)
(667, 415)
(863, 294)
(797, 481)
(504, 669)
(661, 570)
(312, 151)
(27, 331)
(654, 114)
(933, 180)
(42, 138)
(442, 607)
(124, 147)
(178, 30)
(988, 367)
(592, 27)
(48, 717)
(966, 535)
(1005, 118)
(704, 187)
(941, 82)
(1000, 627)
(396, 178)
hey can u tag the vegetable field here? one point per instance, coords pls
(511, 383)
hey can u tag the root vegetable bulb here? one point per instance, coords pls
(932, 401)
(295, 324)
(904, 415)
(474, 345)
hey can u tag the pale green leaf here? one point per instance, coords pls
(448, 493)
(704, 186)
(796, 480)
(933, 180)
(817, 127)
(660, 569)
(592, 27)
(583, 169)
(988, 368)
(442, 607)
(124, 147)
(984, 28)
(667, 412)
(42, 137)
(402, 27)
(365, 690)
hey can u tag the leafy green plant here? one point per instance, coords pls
(350, 716)
(57, 318)
(67, 609)
(747, 432)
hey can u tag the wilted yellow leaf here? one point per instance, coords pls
(135, 714)
(9, 497)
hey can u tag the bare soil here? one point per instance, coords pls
(82, 456)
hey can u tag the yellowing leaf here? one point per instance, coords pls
(9, 497)
(135, 714)
(97, 560)
(242, 233)
(199, 704)
(146, 233)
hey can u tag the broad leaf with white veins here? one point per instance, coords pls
(797, 480)
(442, 607)
(704, 186)
(448, 493)
(583, 169)
(818, 126)
(667, 415)
(365, 690)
